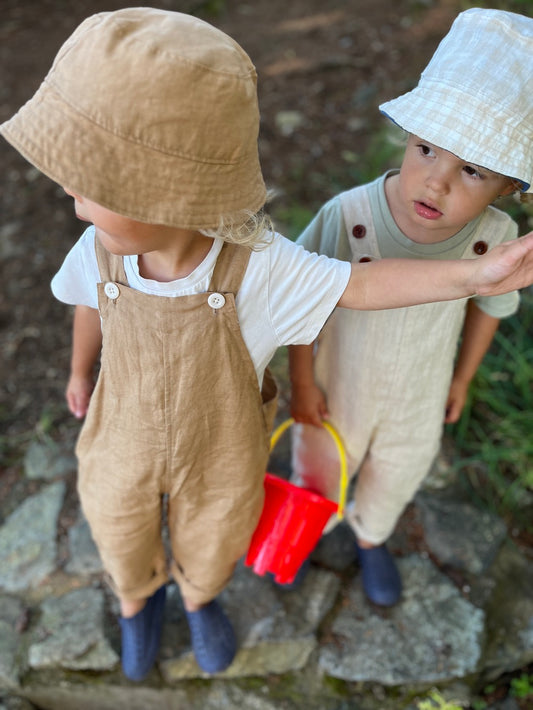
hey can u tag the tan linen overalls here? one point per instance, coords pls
(177, 410)
(387, 376)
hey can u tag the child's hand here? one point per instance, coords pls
(308, 404)
(456, 401)
(507, 267)
(78, 394)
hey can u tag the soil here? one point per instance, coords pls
(323, 65)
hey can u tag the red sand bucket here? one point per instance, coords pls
(292, 520)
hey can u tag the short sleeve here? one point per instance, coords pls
(326, 233)
(304, 288)
(76, 281)
(506, 304)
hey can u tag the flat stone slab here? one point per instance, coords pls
(47, 460)
(275, 629)
(510, 614)
(459, 534)
(84, 558)
(71, 634)
(12, 614)
(28, 546)
(433, 634)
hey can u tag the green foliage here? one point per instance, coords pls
(522, 687)
(523, 7)
(493, 436)
(209, 8)
(385, 151)
(435, 701)
(294, 219)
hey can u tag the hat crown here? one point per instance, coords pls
(151, 77)
(475, 97)
(487, 53)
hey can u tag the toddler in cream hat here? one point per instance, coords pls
(149, 120)
(389, 380)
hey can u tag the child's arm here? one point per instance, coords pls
(394, 283)
(86, 346)
(478, 332)
(308, 403)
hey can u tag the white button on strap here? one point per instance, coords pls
(111, 290)
(216, 300)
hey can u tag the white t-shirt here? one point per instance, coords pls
(285, 297)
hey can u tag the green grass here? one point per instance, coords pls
(494, 437)
(435, 701)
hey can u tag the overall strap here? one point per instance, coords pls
(230, 268)
(111, 266)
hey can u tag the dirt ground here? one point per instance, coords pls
(323, 67)
(330, 61)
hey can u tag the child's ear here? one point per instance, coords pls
(513, 186)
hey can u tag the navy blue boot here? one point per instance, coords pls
(141, 635)
(212, 637)
(382, 583)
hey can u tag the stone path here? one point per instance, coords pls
(465, 618)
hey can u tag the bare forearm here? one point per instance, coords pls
(301, 364)
(86, 340)
(308, 402)
(394, 283)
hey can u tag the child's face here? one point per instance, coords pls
(122, 235)
(437, 193)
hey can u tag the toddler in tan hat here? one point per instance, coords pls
(149, 119)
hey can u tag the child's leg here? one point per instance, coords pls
(387, 481)
(210, 530)
(141, 634)
(127, 531)
(314, 460)
(129, 608)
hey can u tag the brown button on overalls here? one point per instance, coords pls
(177, 410)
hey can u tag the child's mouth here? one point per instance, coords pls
(426, 211)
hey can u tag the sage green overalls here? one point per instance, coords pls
(177, 410)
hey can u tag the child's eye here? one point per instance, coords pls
(473, 172)
(425, 149)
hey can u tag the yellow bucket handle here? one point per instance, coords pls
(343, 483)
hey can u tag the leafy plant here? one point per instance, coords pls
(385, 151)
(435, 701)
(493, 436)
(522, 687)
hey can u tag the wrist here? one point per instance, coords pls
(81, 374)
(462, 379)
(302, 384)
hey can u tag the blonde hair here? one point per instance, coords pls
(254, 230)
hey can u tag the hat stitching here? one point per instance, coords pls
(175, 55)
(137, 141)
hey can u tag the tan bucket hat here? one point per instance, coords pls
(151, 114)
(475, 97)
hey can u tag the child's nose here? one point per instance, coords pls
(438, 180)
